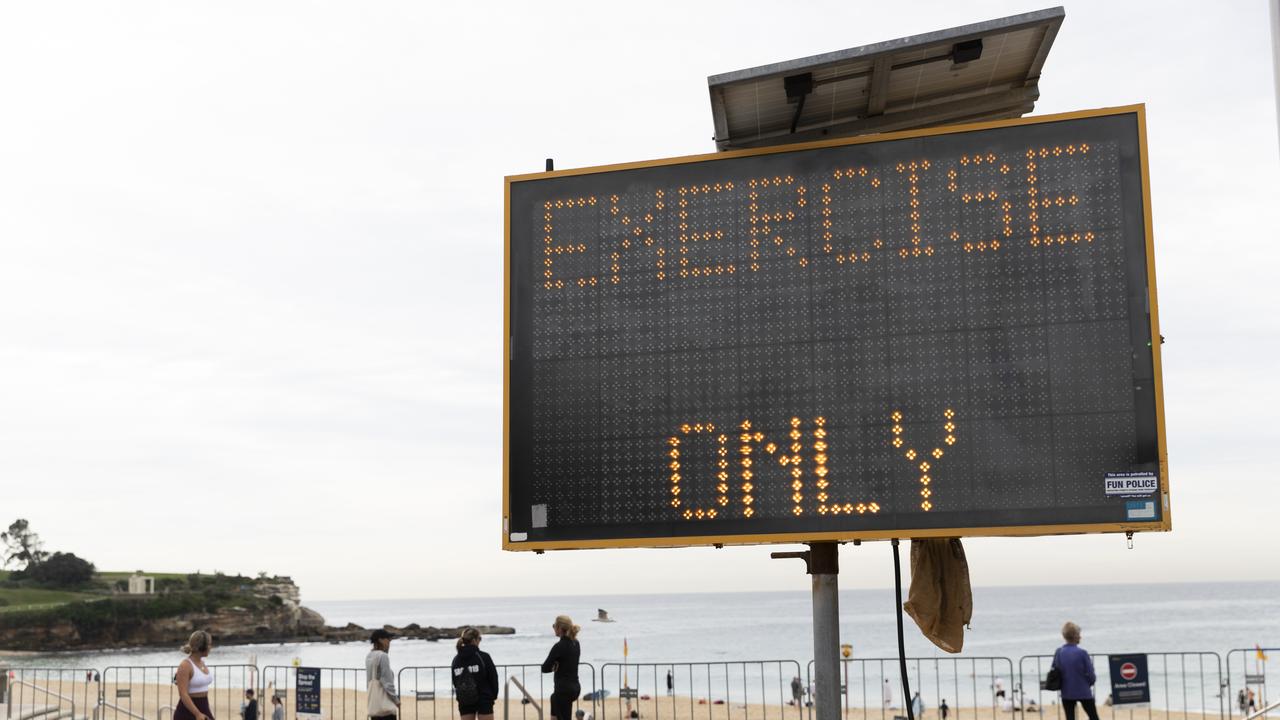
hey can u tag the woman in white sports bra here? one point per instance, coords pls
(194, 679)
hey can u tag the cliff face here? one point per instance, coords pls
(230, 626)
(235, 610)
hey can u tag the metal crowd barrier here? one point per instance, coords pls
(729, 690)
(1247, 672)
(343, 692)
(150, 693)
(49, 693)
(426, 693)
(1184, 686)
(872, 687)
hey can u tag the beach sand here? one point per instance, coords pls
(142, 701)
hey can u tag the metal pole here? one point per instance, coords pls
(1275, 53)
(824, 566)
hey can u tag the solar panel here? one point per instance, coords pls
(984, 71)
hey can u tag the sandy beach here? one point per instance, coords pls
(153, 701)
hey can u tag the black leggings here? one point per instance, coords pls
(562, 701)
(1089, 708)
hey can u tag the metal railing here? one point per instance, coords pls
(427, 692)
(969, 687)
(729, 690)
(1183, 686)
(46, 713)
(1243, 666)
(71, 691)
(151, 693)
(526, 698)
(343, 691)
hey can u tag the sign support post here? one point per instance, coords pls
(824, 566)
(822, 562)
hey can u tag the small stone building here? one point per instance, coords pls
(140, 584)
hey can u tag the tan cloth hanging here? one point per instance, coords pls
(940, 600)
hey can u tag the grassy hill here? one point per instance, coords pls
(14, 599)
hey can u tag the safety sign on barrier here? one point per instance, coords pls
(1129, 684)
(307, 687)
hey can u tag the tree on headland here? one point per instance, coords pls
(61, 570)
(22, 546)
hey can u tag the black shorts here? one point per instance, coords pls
(484, 707)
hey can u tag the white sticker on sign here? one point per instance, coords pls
(1131, 484)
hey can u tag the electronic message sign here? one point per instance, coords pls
(934, 333)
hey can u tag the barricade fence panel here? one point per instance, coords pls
(151, 693)
(1183, 685)
(971, 688)
(426, 693)
(31, 693)
(342, 693)
(729, 690)
(1247, 680)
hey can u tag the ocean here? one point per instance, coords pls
(1007, 622)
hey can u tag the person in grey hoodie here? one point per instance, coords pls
(377, 666)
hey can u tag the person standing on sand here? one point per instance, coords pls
(277, 708)
(475, 678)
(249, 708)
(797, 691)
(943, 710)
(671, 683)
(194, 679)
(377, 669)
(563, 661)
(1076, 667)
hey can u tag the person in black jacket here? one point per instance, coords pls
(563, 661)
(475, 678)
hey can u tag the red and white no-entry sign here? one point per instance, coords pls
(1128, 671)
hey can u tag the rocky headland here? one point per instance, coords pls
(236, 610)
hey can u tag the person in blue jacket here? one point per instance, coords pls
(1076, 667)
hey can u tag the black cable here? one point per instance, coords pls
(902, 650)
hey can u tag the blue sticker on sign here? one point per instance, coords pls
(1140, 510)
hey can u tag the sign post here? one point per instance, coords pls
(1129, 680)
(824, 567)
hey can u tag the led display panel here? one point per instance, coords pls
(944, 332)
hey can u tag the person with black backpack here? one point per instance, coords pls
(475, 678)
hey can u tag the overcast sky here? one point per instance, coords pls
(250, 281)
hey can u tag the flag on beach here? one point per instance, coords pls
(1261, 655)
